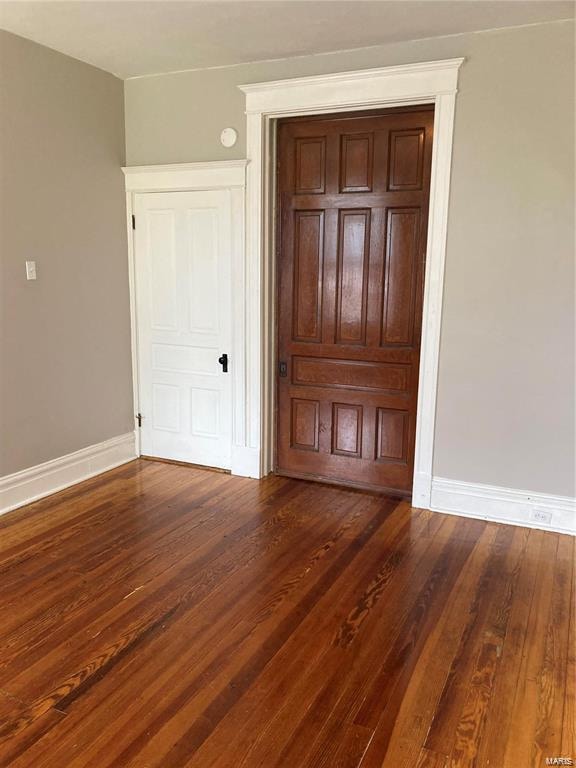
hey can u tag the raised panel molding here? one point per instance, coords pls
(35, 483)
(356, 159)
(305, 424)
(504, 505)
(207, 408)
(391, 435)
(165, 407)
(310, 165)
(347, 430)
(350, 374)
(203, 270)
(173, 358)
(404, 174)
(352, 276)
(402, 225)
(161, 253)
(308, 272)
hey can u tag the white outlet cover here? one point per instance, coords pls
(228, 137)
(542, 515)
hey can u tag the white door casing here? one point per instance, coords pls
(183, 302)
(433, 82)
(228, 176)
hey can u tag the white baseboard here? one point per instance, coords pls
(485, 502)
(504, 505)
(52, 476)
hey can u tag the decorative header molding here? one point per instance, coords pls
(408, 83)
(212, 175)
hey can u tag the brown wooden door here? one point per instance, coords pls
(353, 197)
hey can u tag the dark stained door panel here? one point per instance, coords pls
(353, 195)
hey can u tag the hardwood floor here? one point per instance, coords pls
(160, 615)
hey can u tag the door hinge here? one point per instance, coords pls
(139, 419)
(133, 221)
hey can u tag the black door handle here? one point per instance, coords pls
(223, 360)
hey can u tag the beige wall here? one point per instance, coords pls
(64, 342)
(506, 389)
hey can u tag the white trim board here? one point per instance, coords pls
(52, 476)
(505, 505)
(183, 176)
(433, 82)
(229, 175)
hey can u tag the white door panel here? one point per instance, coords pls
(183, 294)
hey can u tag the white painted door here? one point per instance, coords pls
(183, 295)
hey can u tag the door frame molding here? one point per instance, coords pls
(433, 82)
(193, 177)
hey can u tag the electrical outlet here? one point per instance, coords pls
(542, 516)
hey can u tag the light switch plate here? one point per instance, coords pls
(30, 270)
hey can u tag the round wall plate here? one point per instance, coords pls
(228, 137)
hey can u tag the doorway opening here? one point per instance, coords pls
(425, 83)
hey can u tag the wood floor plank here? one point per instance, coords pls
(429, 759)
(251, 659)
(525, 706)
(130, 602)
(568, 746)
(324, 662)
(339, 691)
(552, 678)
(442, 730)
(436, 661)
(383, 706)
(219, 638)
(163, 616)
(499, 724)
(296, 720)
(96, 567)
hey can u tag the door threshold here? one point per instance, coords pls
(161, 460)
(347, 485)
